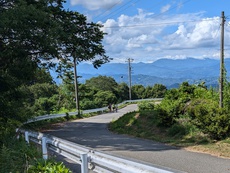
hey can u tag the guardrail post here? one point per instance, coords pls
(27, 137)
(44, 148)
(17, 133)
(84, 163)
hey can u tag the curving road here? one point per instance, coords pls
(92, 132)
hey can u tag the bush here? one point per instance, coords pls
(16, 156)
(177, 130)
(168, 111)
(209, 118)
(146, 106)
(48, 167)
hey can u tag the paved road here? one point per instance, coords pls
(92, 132)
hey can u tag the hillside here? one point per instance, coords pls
(165, 71)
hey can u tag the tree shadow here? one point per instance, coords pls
(98, 137)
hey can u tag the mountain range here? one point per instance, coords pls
(169, 72)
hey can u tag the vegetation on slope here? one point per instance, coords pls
(187, 117)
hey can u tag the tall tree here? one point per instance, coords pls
(104, 83)
(34, 34)
(138, 92)
(159, 91)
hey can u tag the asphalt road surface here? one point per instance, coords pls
(93, 132)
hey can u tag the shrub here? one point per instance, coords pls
(16, 155)
(163, 117)
(169, 111)
(209, 118)
(146, 106)
(177, 130)
(48, 167)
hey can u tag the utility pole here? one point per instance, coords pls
(221, 85)
(76, 86)
(130, 83)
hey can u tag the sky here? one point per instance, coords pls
(148, 30)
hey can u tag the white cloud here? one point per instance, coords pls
(165, 8)
(95, 4)
(146, 38)
(204, 33)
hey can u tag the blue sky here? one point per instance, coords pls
(147, 30)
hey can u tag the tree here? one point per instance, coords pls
(104, 98)
(123, 91)
(32, 35)
(149, 92)
(159, 90)
(103, 83)
(138, 92)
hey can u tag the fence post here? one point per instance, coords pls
(44, 148)
(84, 163)
(27, 137)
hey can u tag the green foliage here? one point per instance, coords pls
(164, 118)
(103, 83)
(169, 111)
(87, 104)
(103, 98)
(17, 155)
(124, 123)
(159, 91)
(123, 92)
(26, 88)
(146, 106)
(177, 130)
(140, 92)
(209, 118)
(47, 166)
(201, 106)
(226, 94)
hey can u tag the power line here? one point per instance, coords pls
(172, 8)
(157, 24)
(108, 9)
(114, 12)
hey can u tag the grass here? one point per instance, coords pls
(143, 124)
(17, 155)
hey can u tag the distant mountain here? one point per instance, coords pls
(165, 71)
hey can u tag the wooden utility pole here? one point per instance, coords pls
(76, 87)
(130, 83)
(221, 86)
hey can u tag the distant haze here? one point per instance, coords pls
(168, 72)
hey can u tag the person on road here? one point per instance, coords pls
(110, 107)
(114, 107)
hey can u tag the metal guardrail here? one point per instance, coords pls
(52, 116)
(88, 158)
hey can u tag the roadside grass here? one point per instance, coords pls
(183, 134)
(17, 156)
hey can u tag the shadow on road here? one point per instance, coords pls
(97, 136)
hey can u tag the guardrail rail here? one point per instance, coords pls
(88, 158)
(52, 116)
